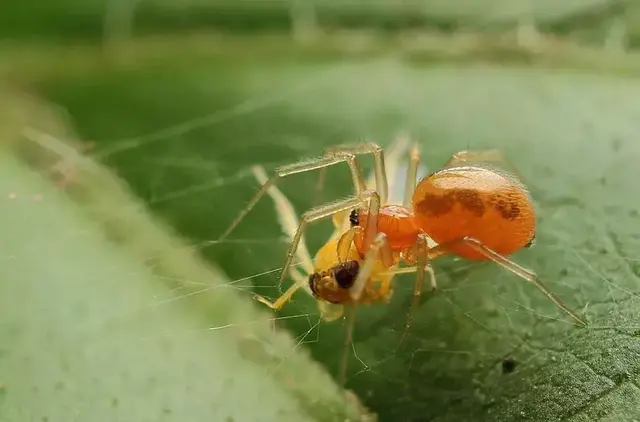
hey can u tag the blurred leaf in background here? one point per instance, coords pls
(184, 116)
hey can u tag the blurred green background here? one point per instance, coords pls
(117, 303)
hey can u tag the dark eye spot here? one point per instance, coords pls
(345, 274)
(354, 218)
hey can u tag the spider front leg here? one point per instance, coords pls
(394, 156)
(412, 176)
(324, 211)
(286, 217)
(380, 169)
(421, 268)
(507, 264)
(377, 251)
(301, 167)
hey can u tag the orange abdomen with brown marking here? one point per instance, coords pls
(397, 222)
(486, 204)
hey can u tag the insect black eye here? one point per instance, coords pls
(345, 274)
(354, 219)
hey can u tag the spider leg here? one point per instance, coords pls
(379, 250)
(376, 248)
(380, 171)
(289, 222)
(507, 264)
(350, 323)
(394, 156)
(412, 176)
(302, 167)
(324, 211)
(319, 189)
(421, 268)
(287, 218)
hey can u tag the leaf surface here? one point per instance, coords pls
(572, 135)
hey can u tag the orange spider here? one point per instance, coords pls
(473, 207)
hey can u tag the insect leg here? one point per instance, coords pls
(300, 281)
(507, 264)
(345, 243)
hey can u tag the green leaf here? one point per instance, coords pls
(105, 315)
(571, 134)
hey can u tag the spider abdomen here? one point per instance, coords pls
(468, 201)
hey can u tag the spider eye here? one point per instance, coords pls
(354, 218)
(346, 273)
